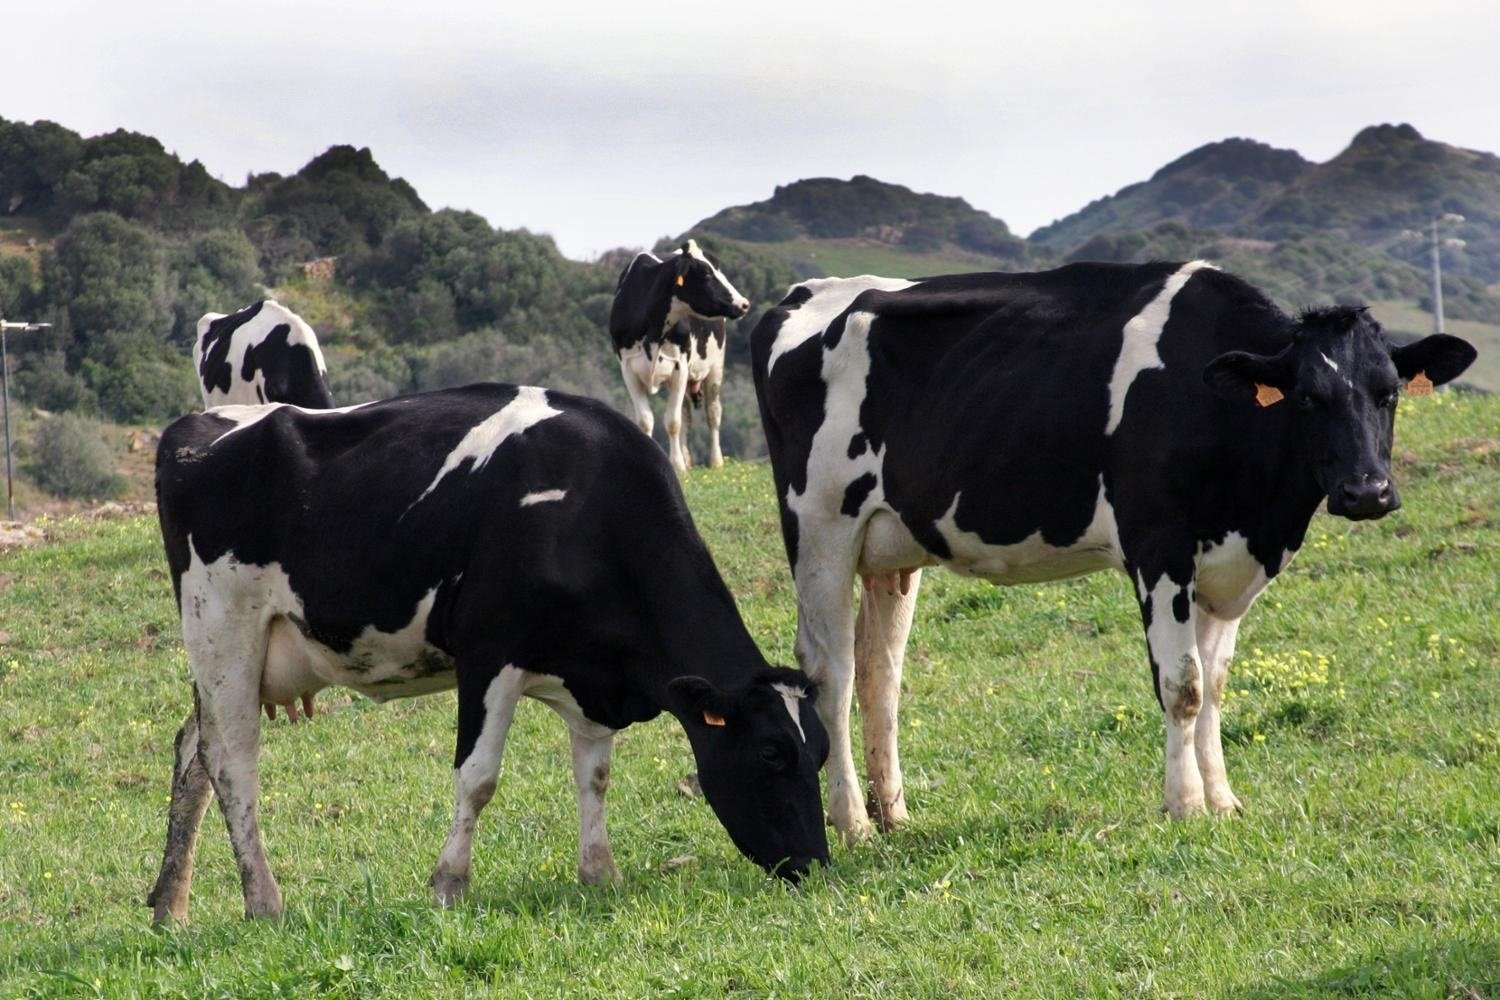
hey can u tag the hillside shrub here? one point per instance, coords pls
(73, 461)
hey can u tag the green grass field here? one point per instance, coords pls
(1363, 734)
(847, 257)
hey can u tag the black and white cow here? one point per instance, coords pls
(505, 541)
(1031, 427)
(265, 353)
(657, 325)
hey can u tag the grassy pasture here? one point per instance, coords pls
(1363, 734)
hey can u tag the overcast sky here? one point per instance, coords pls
(613, 124)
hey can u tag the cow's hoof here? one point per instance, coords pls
(164, 916)
(1226, 806)
(856, 832)
(599, 876)
(448, 889)
(1185, 809)
(888, 818)
(262, 903)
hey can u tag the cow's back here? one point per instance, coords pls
(369, 508)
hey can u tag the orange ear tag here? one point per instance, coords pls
(680, 282)
(1265, 395)
(1419, 385)
(713, 718)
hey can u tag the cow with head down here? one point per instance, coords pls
(506, 541)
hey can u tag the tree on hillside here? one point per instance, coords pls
(109, 287)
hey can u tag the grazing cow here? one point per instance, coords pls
(265, 353)
(1031, 427)
(656, 323)
(504, 541)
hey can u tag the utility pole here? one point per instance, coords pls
(1434, 259)
(10, 494)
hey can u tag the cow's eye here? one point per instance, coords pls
(1308, 402)
(771, 754)
(1389, 399)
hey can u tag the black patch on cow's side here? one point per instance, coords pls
(835, 332)
(857, 445)
(1180, 606)
(797, 296)
(214, 369)
(856, 493)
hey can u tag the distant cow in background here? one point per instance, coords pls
(265, 353)
(701, 341)
(660, 325)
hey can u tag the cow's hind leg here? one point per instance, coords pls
(486, 706)
(886, 607)
(227, 657)
(1169, 614)
(190, 794)
(1216, 646)
(591, 762)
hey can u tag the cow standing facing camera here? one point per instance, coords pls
(656, 324)
(1163, 420)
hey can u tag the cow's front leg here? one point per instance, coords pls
(676, 439)
(713, 405)
(486, 706)
(191, 791)
(825, 650)
(1216, 646)
(591, 761)
(886, 607)
(1169, 614)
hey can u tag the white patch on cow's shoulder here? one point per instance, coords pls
(830, 296)
(529, 408)
(1138, 348)
(792, 696)
(846, 369)
(1033, 560)
(542, 496)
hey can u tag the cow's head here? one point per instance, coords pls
(1342, 378)
(700, 289)
(759, 749)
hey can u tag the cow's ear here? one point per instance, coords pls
(1245, 376)
(697, 698)
(1441, 357)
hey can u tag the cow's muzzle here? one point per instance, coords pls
(1363, 499)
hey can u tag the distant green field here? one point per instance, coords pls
(1408, 318)
(1363, 733)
